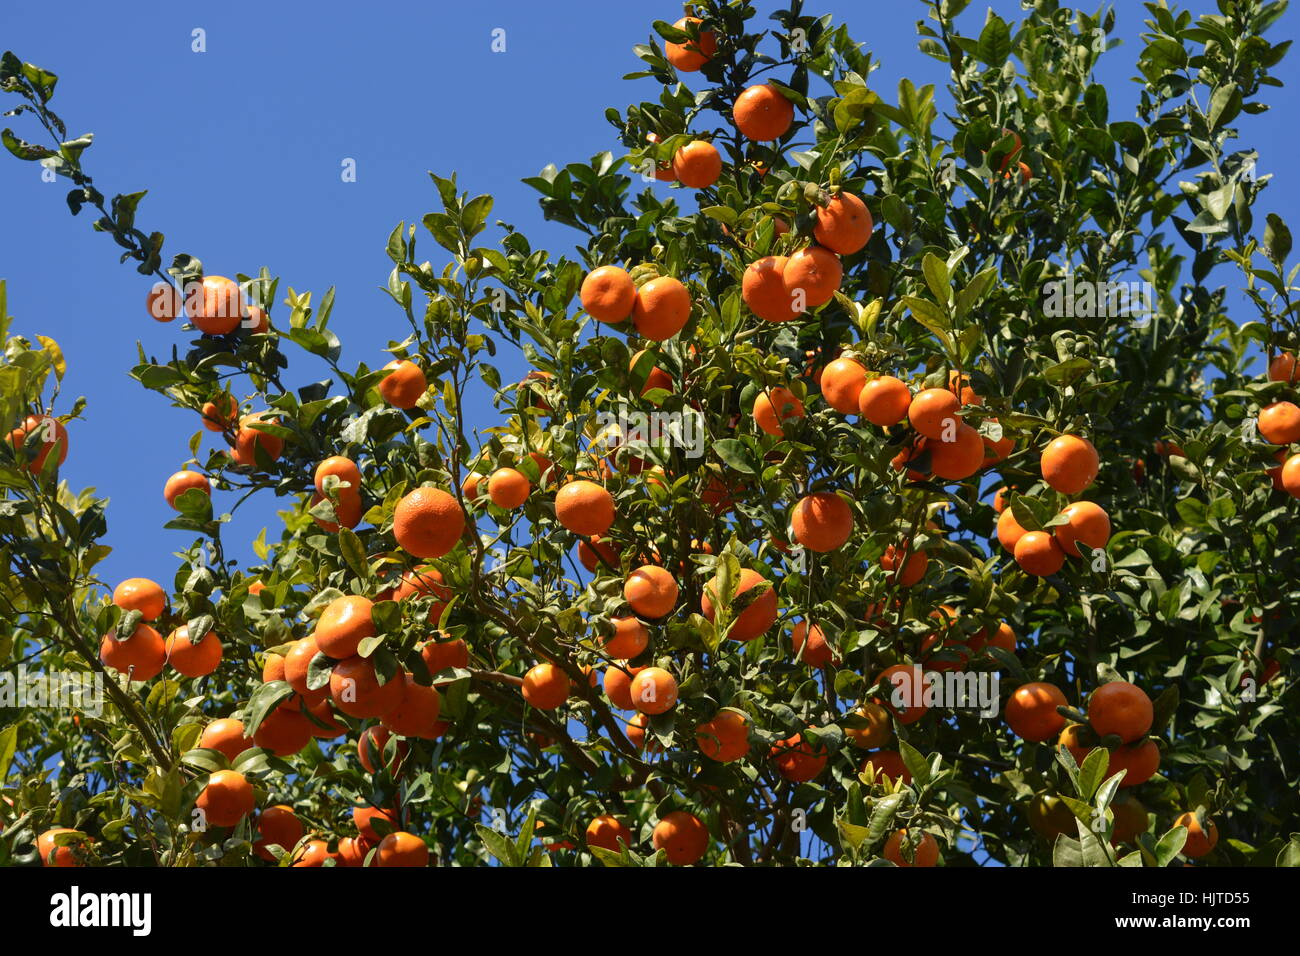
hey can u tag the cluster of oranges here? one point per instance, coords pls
(1279, 424)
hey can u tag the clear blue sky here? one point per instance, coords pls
(240, 148)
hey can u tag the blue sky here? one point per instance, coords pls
(241, 149)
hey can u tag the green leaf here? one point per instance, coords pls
(354, 552)
(937, 278)
(498, 844)
(267, 697)
(994, 47)
(1170, 845)
(733, 453)
(8, 747)
(1277, 238)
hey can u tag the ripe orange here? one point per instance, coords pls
(52, 434)
(634, 728)
(1031, 711)
(797, 760)
(508, 488)
(653, 691)
(193, 659)
(444, 655)
(342, 468)
(371, 745)
(814, 271)
(584, 507)
(590, 554)
(256, 321)
(285, 730)
(1088, 523)
(912, 563)
(775, 406)
(143, 654)
(1120, 708)
(227, 798)
(689, 57)
(842, 384)
(313, 853)
(277, 826)
(608, 294)
(355, 689)
(1290, 476)
(960, 458)
(272, 668)
(347, 509)
(220, 413)
(606, 831)
(762, 113)
(1004, 637)
(755, 619)
(1279, 423)
(1200, 841)
(923, 853)
(934, 411)
(546, 686)
(887, 766)
(906, 697)
(140, 594)
(428, 522)
(404, 385)
(697, 165)
(682, 836)
(216, 307)
(655, 378)
(225, 736)
(810, 645)
(424, 582)
(1139, 760)
(844, 224)
(248, 438)
(417, 714)
(650, 591)
(353, 851)
(762, 288)
(343, 625)
(618, 686)
(877, 731)
(1131, 818)
(164, 302)
(364, 818)
(630, 639)
(323, 713)
(822, 521)
(1073, 738)
(884, 401)
(1284, 368)
(662, 308)
(724, 738)
(402, 849)
(1009, 530)
(1069, 464)
(1038, 554)
(54, 855)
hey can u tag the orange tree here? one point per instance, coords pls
(894, 405)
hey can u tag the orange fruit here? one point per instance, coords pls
(697, 165)
(724, 738)
(682, 836)
(662, 308)
(364, 818)
(797, 760)
(607, 831)
(634, 729)
(140, 594)
(1139, 760)
(343, 625)
(1283, 368)
(1009, 530)
(629, 640)
(1290, 476)
(347, 509)
(884, 401)
(1087, 522)
(655, 378)
(227, 798)
(650, 591)
(370, 749)
(908, 566)
(762, 288)
(216, 307)
(508, 488)
(934, 411)
(322, 712)
(584, 507)
(1000, 499)
(402, 849)
(810, 645)
(887, 766)
(1038, 554)
(404, 385)
(417, 714)
(182, 482)
(1069, 464)
(225, 736)
(248, 438)
(143, 654)
(272, 668)
(775, 406)
(355, 689)
(1073, 738)
(220, 413)
(960, 458)
(877, 731)
(53, 855)
(591, 554)
(844, 224)
(256, 321)
(546, 686)
(1119, 707)
(444, 655)
(653, 691)
(618, 686)
(423, 582)
(924, 853)
(762, 113)
(285, 730)
(353, 851)
(1279, 423)
(277, 826)
(689, 57)
(1003, 636)
(164, 302)
(1031, 711)
(1131, 818)
(822, 521)
(51, 432)
(1200, 841)
(608, 294)
(906, 697)
(428, 522)
(193, 659)
(342, 468)
(312, 853)
(814, 271)
(755, 619)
